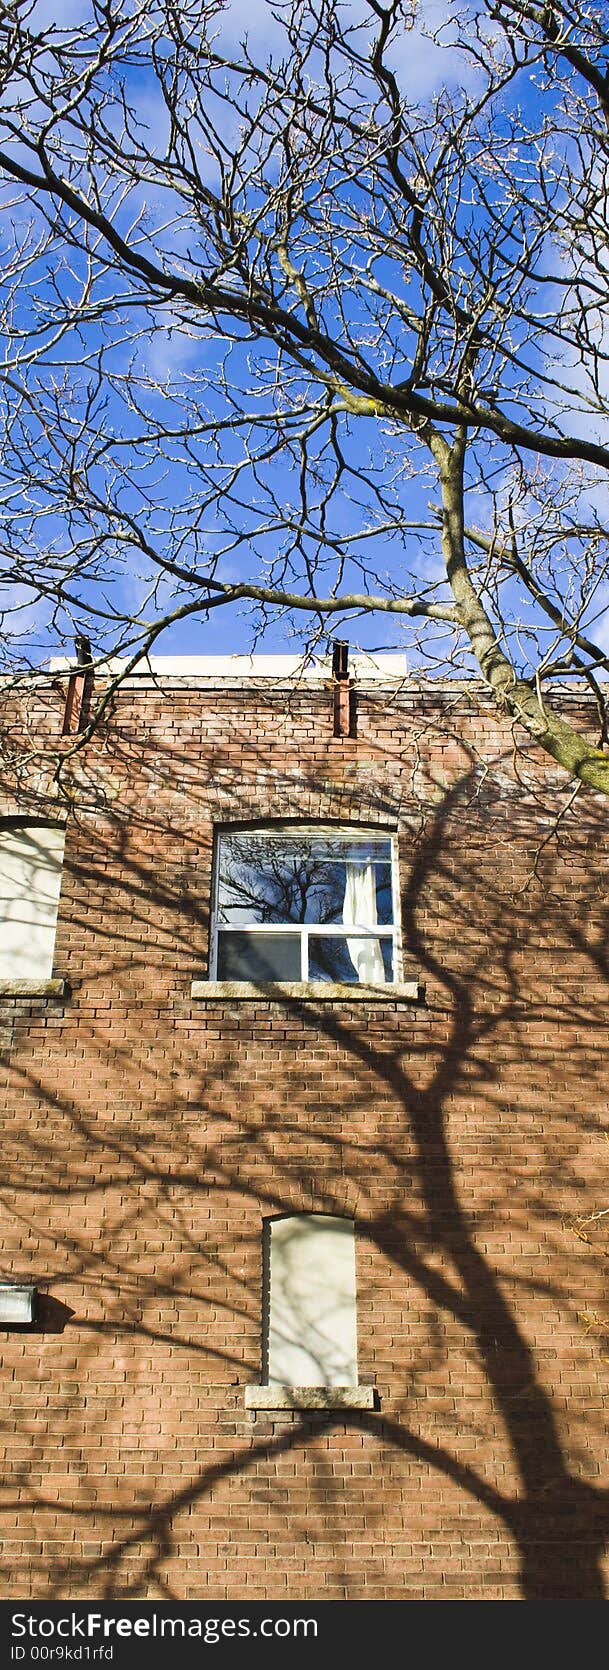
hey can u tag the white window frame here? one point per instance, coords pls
(323, 831)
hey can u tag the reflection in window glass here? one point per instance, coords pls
(297, 878)
(330, 959)
(244, 956)
(300, 905)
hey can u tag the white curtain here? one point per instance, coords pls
(359, 911)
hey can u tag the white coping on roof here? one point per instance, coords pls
(246, 667)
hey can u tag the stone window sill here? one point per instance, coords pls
(310, 1397)
(322, 991)
(33, 988)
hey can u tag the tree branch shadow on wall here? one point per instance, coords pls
(557, 1519)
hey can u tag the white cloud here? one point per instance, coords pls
(420, 53)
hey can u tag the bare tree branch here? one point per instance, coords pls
(258, 306)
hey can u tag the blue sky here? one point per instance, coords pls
(167, 358)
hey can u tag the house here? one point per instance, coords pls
(303, 1009)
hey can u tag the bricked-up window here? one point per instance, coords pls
(309, 1321)
(31, 857)
(305, 905)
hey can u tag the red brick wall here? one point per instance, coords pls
(147, 1135)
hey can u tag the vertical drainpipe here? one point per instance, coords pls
(74, 713)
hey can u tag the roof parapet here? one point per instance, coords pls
(245, 669)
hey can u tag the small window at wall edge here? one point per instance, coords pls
(31, 864)
(305, 903)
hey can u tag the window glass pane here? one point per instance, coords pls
(252, 956)
(299, 878)
(384, 895)
(330, 959)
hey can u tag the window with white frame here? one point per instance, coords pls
(305, 904)
(309, 1313)
(31, 858)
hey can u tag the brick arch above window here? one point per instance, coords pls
(374, 798)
